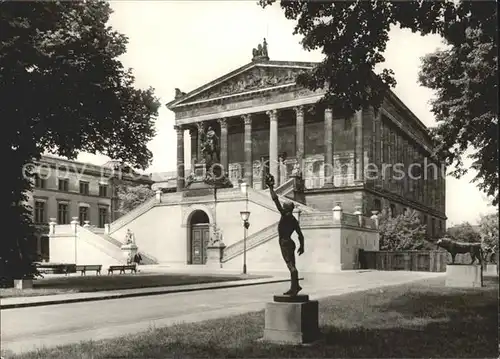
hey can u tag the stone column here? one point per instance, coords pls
(223, 145)
(180, 158)
(248, 150)
(383, 155)
(443, 193)
(273, 143)
(359, 148)
(193, 133)
(377, 148)
(406, 180)
(390, 158)
(425, 183)
(198, 146)
(439, 190)
(328, 162)
(369, 130)
(300, 134)
(414, 159)
(432, 188)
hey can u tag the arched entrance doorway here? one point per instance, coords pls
(199, 235)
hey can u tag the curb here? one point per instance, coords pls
(138, 294)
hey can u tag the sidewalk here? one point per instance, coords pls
(21, 302)
(31, 328)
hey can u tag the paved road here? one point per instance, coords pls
(28, 328)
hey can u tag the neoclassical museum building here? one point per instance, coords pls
(338, 170)
(267, 123)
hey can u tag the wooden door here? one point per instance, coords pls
(199, 241)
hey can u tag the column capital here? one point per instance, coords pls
(223, 123)
(299, 110)
(273, 114)
(179, 128)
(247, 118)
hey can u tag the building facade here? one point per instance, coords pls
(266, 123)
(66, 189)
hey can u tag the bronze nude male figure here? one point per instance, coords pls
(287, 225)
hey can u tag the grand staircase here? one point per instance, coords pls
(267, 233)
(110, 246)
(146, 258)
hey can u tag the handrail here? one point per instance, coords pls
(133, 214)
(283, 189)
(299, 205)
(146, 257)
(252, 241)
(113, 252)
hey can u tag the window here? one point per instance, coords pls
(377, 205)
(84, 187)
(62, 213)
(433, 227)
(39, 182)
(83, 215)
(344, 172)
(393, 210)
(382, 142)
(103, 216)
(39, 214)
(63, 184)
(347, 124)
(103, 190)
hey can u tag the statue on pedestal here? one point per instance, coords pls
(129, 237)
(209, 171)
(260, 52)
(454, 248)
(210, 147)
(287, 225)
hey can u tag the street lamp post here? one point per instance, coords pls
(245, 215)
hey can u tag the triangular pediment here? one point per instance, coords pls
(252, 77)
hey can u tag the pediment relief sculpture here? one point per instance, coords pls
(257, 78)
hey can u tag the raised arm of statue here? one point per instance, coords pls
(274, 196)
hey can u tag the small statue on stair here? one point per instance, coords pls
(129, 237)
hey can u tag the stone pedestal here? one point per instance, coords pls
(464, 275)
(23, 283)
(291, 320)
(491, 269)
(129, 251)
(214, 255)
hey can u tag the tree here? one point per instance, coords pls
(403, 232)
(464, 232)
(488, 229)
(353, 36)
(64, 91)
(131, 197)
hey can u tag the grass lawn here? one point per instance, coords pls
(92, 283)
(419, 320)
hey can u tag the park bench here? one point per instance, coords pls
(56, 268)
(89, 267)
(122, 268)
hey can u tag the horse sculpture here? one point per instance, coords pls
(454, 248)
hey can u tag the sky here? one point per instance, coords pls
(186, 44)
